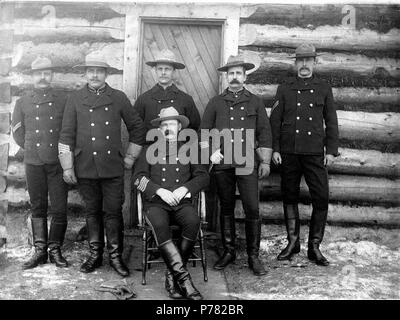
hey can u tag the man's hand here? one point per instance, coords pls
(328, 159)
(276, 158)
(216, 157)
(263, 170)
(128, 162)
(167, 196)
(69, 176)
(180, 193)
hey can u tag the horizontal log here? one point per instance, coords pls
(337, 214)
(6, 39)
(90, 12)
(381, 127)
(68, 30)
(66, 81)
(339, 69)
(352, 189)
(341, 95)
(378, 17)
(5, 92)
(19, 197)
(383, 147)
(274, 60)
(366, 162)
(66, 55)
(361, 126)
(8, 107)
(5, 66)
(335, 38)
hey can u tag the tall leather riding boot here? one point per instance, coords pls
(115, 244)
(186, 249)
(292, 221)
(39, 230)
(317, 229)
(253, 237)
(181, 276)
(56, 239)
(228, 235)
(95, 229)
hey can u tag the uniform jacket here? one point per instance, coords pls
(164, 174)
(92, 128)
(298, 116)
(242, 111)
(149, 104)
(36, 125)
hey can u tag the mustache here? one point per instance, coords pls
(235, 81)
(43, 81)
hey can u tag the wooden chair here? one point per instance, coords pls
(149, 247)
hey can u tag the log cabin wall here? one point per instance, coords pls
(361, 60)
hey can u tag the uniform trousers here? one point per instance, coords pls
(45, 181)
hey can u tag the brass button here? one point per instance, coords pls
(297, 131)
(50, 104)
(37, 144)
(93, 138)
(312, 91)
(37, 106)
(37, 118)
(177, 180)
(298, 91)
(37, 131)
(92, 124)
(107, 137)
(163, 169)
(106, 108)
(242, 118)
(51, 118)
(107, 123)
(51, 130)
(298, 104)
(51, 144)
(177, 169)
(311, 104)
(298, 118)
(310, 118)
(231, 118)
(90, 110)
(94, 153)
(163, 179)
(108, 151)
(309, 133)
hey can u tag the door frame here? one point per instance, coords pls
(183, 21)
(226, 15)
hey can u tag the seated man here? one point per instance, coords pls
(168, 186)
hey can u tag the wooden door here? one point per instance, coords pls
(197, 45)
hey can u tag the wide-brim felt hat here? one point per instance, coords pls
(236, 61)
(170, 113)
(93, 60)
(305, 50)
(39, 64)
(166, 56)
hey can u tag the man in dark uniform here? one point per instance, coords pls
(165, 93)
(168, 186)
(90, 147)
(238, 109)
(303, 105)
(36, 125)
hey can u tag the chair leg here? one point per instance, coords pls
(144, 257)
(203, 255)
